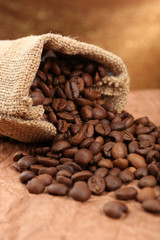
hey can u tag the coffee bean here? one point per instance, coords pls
(46, 161)
(126, 193)
(75, 128)
(96, 184)
(132, 146)
(136, 160)
(152, 205)
(91, 94)
(52, 117)
(48, 170)
(88, 80)
(25, 162)
(126, 176)
(82, 175)
(64, 160)
(102, 129)
(59, 104)
(100, 140)
(70, 106)
(64, 173)
(99, 112)
(83, 101)
(72, 89)
(117, 136)
(62, 126)
(60, 146)
(115, 209)
(70, 152)
(119, 150)
(35, 168)
(112, 182)
(153, 168)
(89, 130)
(35, 186)
(74, 165)
(43, 150)
(105, 163)
(19, 155)
(83, 156)
(58, 189)
(114, 172)
(64, 180)
(90, 67)
(96, 158)
(152, 155)
(87, 142)
(86, 112)
(146, 193)
(78, 138)
(45, 178)
(80, 191)
(147, 181)
(141, 172)
(26, 176)
(95, 147)
(102, 172)
(37, 98)
(121, 163)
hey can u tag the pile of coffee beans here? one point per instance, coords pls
(96, 150)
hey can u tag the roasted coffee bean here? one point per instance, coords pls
(96, 184)
(88, 80)
(152, 205)
(59, 104)
(100, 140)
(102, 71)
(127, 136)
(105, 163)
(92, 168)
(115, 209)
(126, 176)
(114, 172)
(69, 153)
(95, 147)
(126, 193)
(132, 146)
(121, 163)
(37, 98)
(96, 158)
(60, 146)
(152, 155)
(71, 89)
(55, 68)
(46, 161)
(83, 102)
(26, 176)
(64, 160)
(45, 178)
(45, 90)
(62, 126)
(74, 165)
(102, 129)
(96, 77)
(78, 138)
(117, 136)
(82, 175)
(99, 112)
(80, 191)
(66, 116)
(136, 160)
(148, 137)
(64, 173)
(65, 167)
(153, 168)
(112, 183)
(75, 128)
(128, 121)
(107, 148)
(141, 172)
(102, 172)
(89, 130)
(35, 168)
(70, 106)
(19, 155)
(26, 161)
(91, 94)
(147, 181)
(76, 73)
(142, 120)
(83, 156)
(117, 126)
(86, 112)
(43, 150)
(146, 193)
(64, 180)
(90, 67)
(58, 189)
(48, 170)
(52, 117)
(119, 150)
(35, 186)
(87, 142)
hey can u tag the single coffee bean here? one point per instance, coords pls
(91, 94)
(60, 146)
(89, 130)
(102, 129)
(83, 156)
(117, 136)
(146, 193)
(152, 205)
(132, 146)
(102, 172)
(142, 120)
(37, 98)
(126, 193)
(64, 173)
(105, 163)
(35, 186)
(48, 170)
(59, 104)
(136, 160)
(43, 150)
(19, 155)
(80, 191)
(119, 150)
(152, 155)
(96, 184)
(147, 181)
(86, 112)
(95, 147)
(70, 152)
(99, 112)
(88, 80)
(153, 168)
(121, 163)
(126, 176)
(70, 106)
(78, 138)
(132, 169)
(90, 67)
(35, 168)
(115, 209)
(87, 142)
(26, 176)
(114, 171)
(58, 189)
(148, 137)
(71, 89)
(64, 180)
(83, 102)
(52, 117)
(127, 136)
(82, 175)
(26, 161)
(64, 160)
(100, 140)
(96, 158)
(107, 148)
(46, 179)
(46, 161)
(112, 183)
(62, 126)
(141, 172)
(75, 128)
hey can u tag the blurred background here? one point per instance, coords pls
(130, 29)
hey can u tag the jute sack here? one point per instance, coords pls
(19, 62)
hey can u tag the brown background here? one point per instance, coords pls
(130, 29)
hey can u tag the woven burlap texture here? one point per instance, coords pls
(19, 62)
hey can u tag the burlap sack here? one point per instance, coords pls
(19, 62)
